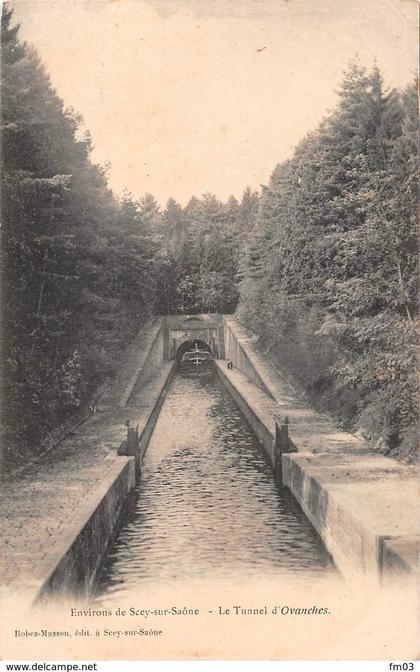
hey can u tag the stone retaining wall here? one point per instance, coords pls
(358, 502)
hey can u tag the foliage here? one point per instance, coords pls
(329, 278)
(78, 271)
(325, 259)
(201, 248)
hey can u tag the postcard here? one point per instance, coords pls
(209, 299)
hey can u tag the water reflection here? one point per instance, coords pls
(208, 504)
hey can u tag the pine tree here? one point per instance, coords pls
(329, 275)
(78, 273)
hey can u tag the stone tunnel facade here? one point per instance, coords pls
(182, 328)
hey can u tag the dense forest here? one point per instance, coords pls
(330, 279)
(320, 264)
(82, 270)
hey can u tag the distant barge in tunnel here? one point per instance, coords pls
(196, 361)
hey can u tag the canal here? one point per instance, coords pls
(208, 505)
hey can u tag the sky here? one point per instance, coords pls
(182, 97)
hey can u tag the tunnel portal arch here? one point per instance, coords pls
(191, 344)
(207, 329)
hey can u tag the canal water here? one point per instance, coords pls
(208, 505)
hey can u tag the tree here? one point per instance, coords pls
(78, 272)
(329, 276)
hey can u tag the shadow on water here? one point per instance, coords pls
(208, 505)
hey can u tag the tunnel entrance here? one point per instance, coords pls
(208, 329)
(193, 344)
